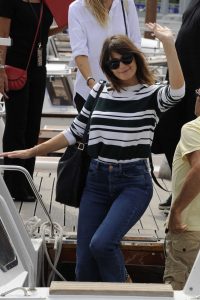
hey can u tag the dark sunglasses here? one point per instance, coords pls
(197, 92)
(126, 59)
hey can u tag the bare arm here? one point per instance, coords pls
(164, 34)
(55, 30)
(55, 143)
(190, 189)
(4, 32)
(84, 67)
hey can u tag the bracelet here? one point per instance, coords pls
(88, 79)
(2, 67)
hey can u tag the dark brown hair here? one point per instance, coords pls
(121, 44)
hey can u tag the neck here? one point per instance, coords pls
(130, 82)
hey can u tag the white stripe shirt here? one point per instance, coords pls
(122, 123)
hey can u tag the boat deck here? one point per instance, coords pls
(151, 224)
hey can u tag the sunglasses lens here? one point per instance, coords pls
(114, 64)
(127, 59)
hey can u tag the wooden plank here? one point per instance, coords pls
(160, 233)
(148, 220)
(106, 288)
(71, 218)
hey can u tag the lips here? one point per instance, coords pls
(125, 71)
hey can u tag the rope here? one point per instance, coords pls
(58, 237)
(32, 226)
(44, 231)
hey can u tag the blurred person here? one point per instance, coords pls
(90, 23)
(118, 187)
(167, 133)
(183, 226)
(19, 20)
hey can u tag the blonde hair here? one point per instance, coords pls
(98, 10)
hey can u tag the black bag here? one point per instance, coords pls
(73, 168)
(71, 175)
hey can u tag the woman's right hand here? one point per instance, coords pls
(163, 33)
(3, 83)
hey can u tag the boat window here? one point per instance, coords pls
(8, 258)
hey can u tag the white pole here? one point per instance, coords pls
(164, 7)
(183, 5)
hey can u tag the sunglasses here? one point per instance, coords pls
(197, 92)
(126, 59)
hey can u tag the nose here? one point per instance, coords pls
(121, 64)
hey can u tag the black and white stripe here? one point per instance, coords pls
(122, 124)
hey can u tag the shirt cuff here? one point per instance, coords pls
(69, 136)
(180, 93)
(78, 52)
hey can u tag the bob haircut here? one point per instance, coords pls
(121, 44)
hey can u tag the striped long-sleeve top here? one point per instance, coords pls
(122, 123)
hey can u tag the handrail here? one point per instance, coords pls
(35, 191)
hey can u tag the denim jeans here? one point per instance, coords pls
(114, 199)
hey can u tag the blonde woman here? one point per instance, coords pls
(90, 23)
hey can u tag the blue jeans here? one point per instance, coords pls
(114, 199)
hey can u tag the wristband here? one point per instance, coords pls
(88, 79)
(2, 67)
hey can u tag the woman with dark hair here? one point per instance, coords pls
(118, 187)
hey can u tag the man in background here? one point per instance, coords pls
(183, 225)
(167, 133)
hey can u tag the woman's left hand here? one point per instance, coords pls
(22, 154)
(162, 33)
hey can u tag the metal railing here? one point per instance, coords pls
(32, 185)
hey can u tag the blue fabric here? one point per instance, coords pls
(114, 199)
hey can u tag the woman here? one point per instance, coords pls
(118, 187)
(90, 23)
(19, 19)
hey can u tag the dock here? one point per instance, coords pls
(150, 225)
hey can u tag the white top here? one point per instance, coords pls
(87, 35)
